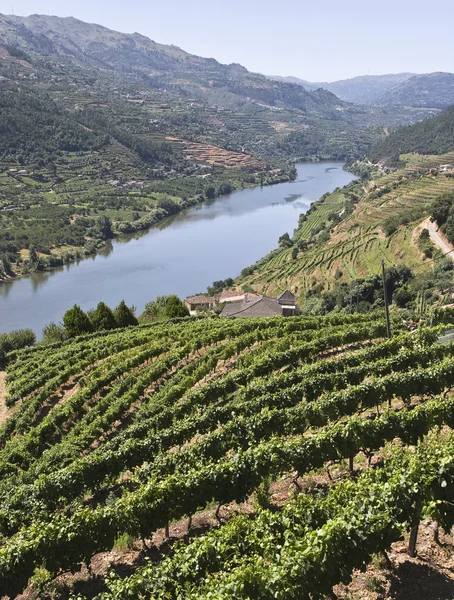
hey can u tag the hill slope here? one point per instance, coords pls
(340, 242)
(91, 117)
(433, 90)
(118, 437)
(98, 47)
(364, 89)
(432, 136)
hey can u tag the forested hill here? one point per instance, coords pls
(95, 46)
(34, 129)
(432, 136)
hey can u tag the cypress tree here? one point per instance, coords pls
(176, 308)
(103, 318)
(124, 316)
(76, 322)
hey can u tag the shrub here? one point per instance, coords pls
(15, 340)
(54, 333)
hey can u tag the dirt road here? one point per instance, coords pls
(3, 409)
(440, 241)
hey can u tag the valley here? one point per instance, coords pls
(222, 236)
(382, 224)
(107, 143)
(288, 432)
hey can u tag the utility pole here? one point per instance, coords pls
(385, 295)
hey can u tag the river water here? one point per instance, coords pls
(182, 255)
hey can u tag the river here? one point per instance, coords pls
(182, 255)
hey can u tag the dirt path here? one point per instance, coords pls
(439, 240)
(3, 409)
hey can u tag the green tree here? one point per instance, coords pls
(154, 310)
(33, 257)
(210, 192)
(5, 265)
(53, 333)
(76, 322)
(103, 318)
(285, 241)
(104, 225)
(176, 308)
(124, 316)
(14, 340)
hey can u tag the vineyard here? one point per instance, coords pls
(359, 241)
(125, 433)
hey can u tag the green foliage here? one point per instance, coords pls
(164, 307)
(285, 241)
(102, 318)
(210, 192)
(76, 322)
(443, 214)
(218, 286)
(124, 316)
(403, 297)
(176, 308)
(262, 495)
(33, 128)
(360, 295)
(54, 333)
(154, 310)
(216, 436)
(432, 136)
(14, 340)
(123, 543)
(391, 224)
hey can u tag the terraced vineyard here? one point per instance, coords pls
(125, 433)
(358, 243)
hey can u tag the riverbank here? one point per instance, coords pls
(39, 262)
(181, 255)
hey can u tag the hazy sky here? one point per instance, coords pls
(318, 40)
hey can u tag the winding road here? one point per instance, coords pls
(439, 241)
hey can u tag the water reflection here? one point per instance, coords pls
(181, 255)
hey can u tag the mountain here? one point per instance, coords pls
(308, 85)
(89, 116)
(364, 89)
(432, 136)
(94, 46)
(433, 90)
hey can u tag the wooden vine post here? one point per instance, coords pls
(414, 531)
(385, 296)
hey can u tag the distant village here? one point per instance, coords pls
(245, 305)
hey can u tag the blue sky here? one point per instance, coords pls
(318, 40)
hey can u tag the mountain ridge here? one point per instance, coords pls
(361, 89)
(100, 47)
(423, 90)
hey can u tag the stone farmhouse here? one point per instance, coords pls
(246, 304)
